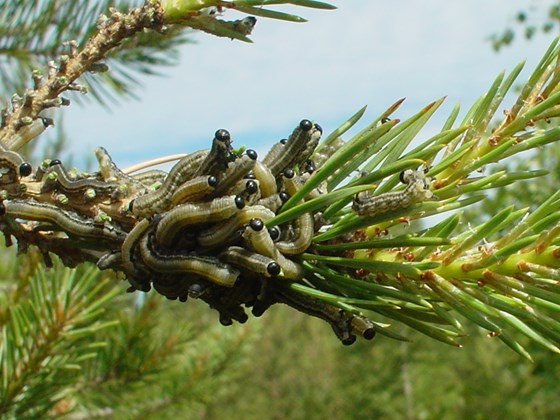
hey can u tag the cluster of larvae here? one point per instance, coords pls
(199, 231)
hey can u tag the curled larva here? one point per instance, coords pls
(207, 268)
(221, 233)
(259, 240)
(128, 247)
(267, 182)
(194, 189)
(250, 261)
(416, 190)
(183, 215)
(303, 235)
(70, 223)
(296, 150)
(159, 200)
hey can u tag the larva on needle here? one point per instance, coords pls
(417, 190)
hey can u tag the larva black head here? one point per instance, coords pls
(212, 181)
(284, 196)
(289, 173)
(318, 128)
(284, 141)
(348, 340)
(25, 169)
(239, 202)
(274, 232)
(222, 135)
(309, 166)
(305, 125)
(251, 187)
(2, 209)
(385, 120)
(369, 333)
(273, 269)
(256, 224)
(55, 162)
(243, 318)
(252, 154)
(225, 320)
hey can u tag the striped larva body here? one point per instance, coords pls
(135, 270)
(250, 261)
(235, 171)
(267, 182)
(416, 190)
(194, 189)
(69, 222)
(304, 227)
(325, 152)
(216, 161)
(299, 146)
(207, 268)
(159, 200)
(179, 217)
(150, 177)
(260, 241)
(221, 233)
(28, 132)
(339, 321)
(56, 177)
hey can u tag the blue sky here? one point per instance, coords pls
(365, 53)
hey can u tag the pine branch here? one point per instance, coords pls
(34, 33)
(336, 246)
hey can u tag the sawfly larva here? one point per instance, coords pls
(159, 200)
(417, 189)
(207, 268)
(183, 215)
(235, 171)
(221, 233)
(297, 149)
(216, 161)
(250, 261)
(69, 222)
(304, 227)
(194, 189)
